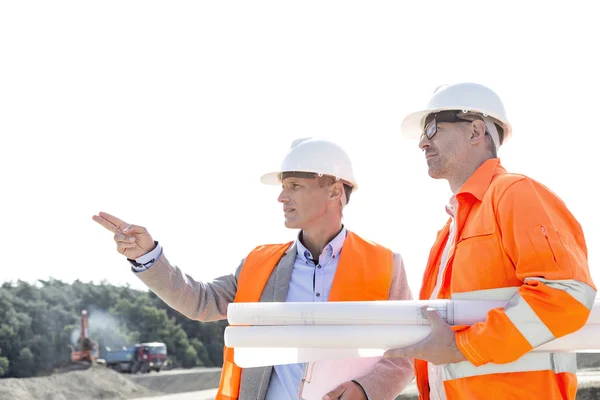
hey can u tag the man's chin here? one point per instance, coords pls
(434, 173)
(291, 224)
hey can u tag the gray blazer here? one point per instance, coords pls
(208, 301)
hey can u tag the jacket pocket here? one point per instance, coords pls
(478, 263)
(546, 257)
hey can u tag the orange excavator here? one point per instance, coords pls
(86, 347)
(86, 353)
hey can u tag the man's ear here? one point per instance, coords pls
(336, 191)
(477, 131)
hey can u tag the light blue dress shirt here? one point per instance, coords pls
(310, 282)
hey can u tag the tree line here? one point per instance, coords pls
(39, 322)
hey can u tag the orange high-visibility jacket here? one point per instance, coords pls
(364, 273)
(516, 240)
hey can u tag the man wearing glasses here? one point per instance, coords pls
(507, 238)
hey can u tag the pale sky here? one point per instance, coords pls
(167, 113)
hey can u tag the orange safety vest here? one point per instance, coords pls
(364, 273)
(515, 240)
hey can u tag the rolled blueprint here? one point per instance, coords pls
(398, 312)
(326, 336)
(276, 333)
(256, 346)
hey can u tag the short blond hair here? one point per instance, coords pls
(324, 180)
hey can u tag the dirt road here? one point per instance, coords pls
(201, 395)
(589, 389)
(179, 381)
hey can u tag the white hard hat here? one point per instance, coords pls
(318, 156)
(468, 97)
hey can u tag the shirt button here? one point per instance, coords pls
(318, 266)
(318, 294)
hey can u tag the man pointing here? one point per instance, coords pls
(327, 262)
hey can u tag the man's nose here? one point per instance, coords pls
(424, 142)
(283, 197)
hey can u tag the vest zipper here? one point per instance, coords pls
(545, 233)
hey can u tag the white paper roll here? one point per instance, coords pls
(323, 342)
(399, 312)
(326, 336)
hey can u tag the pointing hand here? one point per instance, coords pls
(132, 241)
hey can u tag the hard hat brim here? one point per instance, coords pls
(272, 178)
(411, 126)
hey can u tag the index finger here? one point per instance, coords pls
(113, 220)
(105, 223)
(110, 222)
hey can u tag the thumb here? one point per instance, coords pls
(335, 393)
(434, 317)
(400, 352)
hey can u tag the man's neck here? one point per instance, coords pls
(316, 239)
(457, 181)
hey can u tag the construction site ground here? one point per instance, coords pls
(197, 384)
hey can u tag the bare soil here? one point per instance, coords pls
(93, 383)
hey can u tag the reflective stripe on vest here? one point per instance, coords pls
(364, 273)
(520, 312)
(530, 326)
(556, 362)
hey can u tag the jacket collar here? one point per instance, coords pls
(479, 182)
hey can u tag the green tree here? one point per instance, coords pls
(210, 334)
(201, 352)
(39, 322)
(24, 365)
(3, 365)
(153, 324)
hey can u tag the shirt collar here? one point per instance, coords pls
(452, 206)
(331, 250)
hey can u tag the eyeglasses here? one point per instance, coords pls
(443, 116)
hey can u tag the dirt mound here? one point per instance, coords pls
(93, 383)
